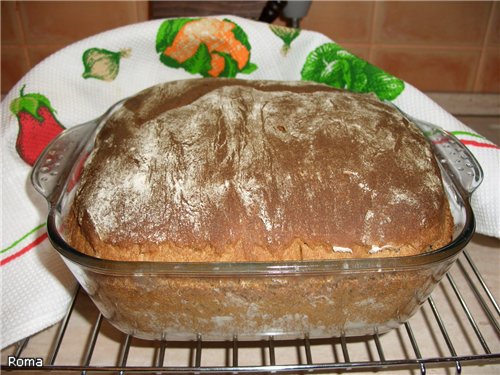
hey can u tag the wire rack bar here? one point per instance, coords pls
(445, 334)
(307, 346)
(345, 352)
(272, 355)
(198, 352)
(364, 365)
(93, 340)
(480, 298)
(378, 345)
(63, 326)
(482, 282)
(21, 346)
(125, 352)
(235, 351)
(161, 354)
(468, 313)
(415, 347)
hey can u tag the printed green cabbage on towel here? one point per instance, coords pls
(206, 46)
(334, 66)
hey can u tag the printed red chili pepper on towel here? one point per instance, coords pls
(37, 124)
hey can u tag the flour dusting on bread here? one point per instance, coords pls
(237, 167)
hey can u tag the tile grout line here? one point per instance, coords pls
(436, 47)
(372, 31)
(480, 63)
(23, 36)
(28, 45)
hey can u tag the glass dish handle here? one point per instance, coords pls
(457, 159)
(452, 154)
(52, 168)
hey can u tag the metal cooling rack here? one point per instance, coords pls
(461, 300)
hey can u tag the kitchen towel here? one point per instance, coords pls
(82, 80)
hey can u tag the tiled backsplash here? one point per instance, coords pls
(32, 30)
(436, 46)
(451, 46)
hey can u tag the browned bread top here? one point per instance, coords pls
(234, 170)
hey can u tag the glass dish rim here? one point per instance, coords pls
(269, 267)
(297, 267)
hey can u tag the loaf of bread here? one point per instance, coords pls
(226, 170)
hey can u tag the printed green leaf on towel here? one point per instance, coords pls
(168, 31)
(332, 65)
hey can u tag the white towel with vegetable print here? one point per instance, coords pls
(81, 81)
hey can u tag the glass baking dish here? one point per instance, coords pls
(181, 301)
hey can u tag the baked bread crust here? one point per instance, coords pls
(211, 170)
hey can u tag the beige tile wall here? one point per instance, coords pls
(450, 46)
(32, 30)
